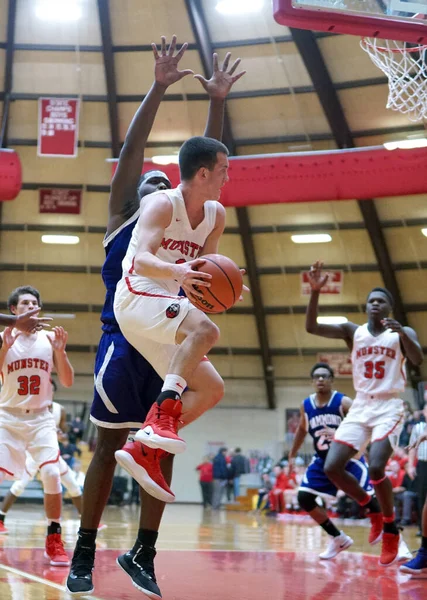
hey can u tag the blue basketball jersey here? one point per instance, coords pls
(116, 245)
(317, 418)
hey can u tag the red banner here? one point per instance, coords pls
(58, 127)
(334, 284)
(57, 200)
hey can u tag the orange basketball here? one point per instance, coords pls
(226, 284)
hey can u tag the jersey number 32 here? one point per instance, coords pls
(29, 385)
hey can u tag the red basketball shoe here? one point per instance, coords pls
(160, 427)
(376, 532)
(3, 529)
(54, 551)
(143, 464)
(389, 549)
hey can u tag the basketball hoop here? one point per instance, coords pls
(406, 68)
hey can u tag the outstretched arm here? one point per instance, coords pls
(317, 280)
(218, 88)
(123, 198)
(299, 436)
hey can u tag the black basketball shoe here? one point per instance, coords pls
(79, 580)
(139, 565)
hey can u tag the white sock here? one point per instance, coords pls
(174, 383)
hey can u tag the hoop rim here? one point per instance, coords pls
(366, 41)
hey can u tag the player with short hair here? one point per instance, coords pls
(125, 383)
(26, 423)
(321, 415)
(175, 229)
(379, 350)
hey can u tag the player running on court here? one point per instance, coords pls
(26, 422)
(125, 383)
(321, 415)
(379, 350)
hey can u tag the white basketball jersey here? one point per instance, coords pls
(378, 362)
(181, 243)
(25, 375)
(56, 413)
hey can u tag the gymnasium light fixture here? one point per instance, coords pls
(238, 7)
(165, 159)
(60, 239)
(58, 10)
(406, 144)
(61, 316)
(424, 231)
(331, 320)
(311, 238)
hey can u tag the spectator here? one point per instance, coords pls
(68, 450)
(264, 490)
(419, 457)
(80, 476)
(239, 466)
(220, 477)
(276, 496)
(408, 498)
(76, 430)
(409, 422)
(206, 481)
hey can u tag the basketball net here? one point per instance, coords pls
(406, 70)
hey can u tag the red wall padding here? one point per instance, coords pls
(320, 176)
(10, 174)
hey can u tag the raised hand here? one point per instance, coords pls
(59, 339)
(166, 70)
(28, 322)
(221, 82)
(245, 287)
(9, 338)
(316, 278)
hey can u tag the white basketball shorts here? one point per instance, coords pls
(150, 320)
(20, 432)
(371, 419)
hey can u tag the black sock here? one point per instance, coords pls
(167, 395)
(147, 537)
(86, 537)
(373, 505)
(54, 527)
(391, 528)
(424, 542)
(330, 528)
(2, 516)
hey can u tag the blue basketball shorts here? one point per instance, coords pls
(126, 385)
(316, 482)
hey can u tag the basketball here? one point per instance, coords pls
(226, 284)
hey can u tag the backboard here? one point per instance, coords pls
(388, 19)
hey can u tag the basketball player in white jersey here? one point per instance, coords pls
(379, 350)
(26, 422)
(175, 228)
(68, 478)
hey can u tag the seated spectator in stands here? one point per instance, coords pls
(284, 481)
(264, 490)
(206, 481)
(409, 421)
(401, 456)
(68, 450)
(80, 476)
(76, 430)
(407, 498)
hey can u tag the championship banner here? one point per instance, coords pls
(60, 201)
(340, 362)
(334, 284)
(58, 127)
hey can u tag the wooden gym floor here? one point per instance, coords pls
(207, 556)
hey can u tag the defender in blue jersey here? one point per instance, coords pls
(125, 383)
(321, 415)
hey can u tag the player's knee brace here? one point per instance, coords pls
(307, 501)
(17, 488)
(51, 478)
(70, 484)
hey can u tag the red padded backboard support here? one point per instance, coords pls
(360, 173)
(338, 22)
(10, 174)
